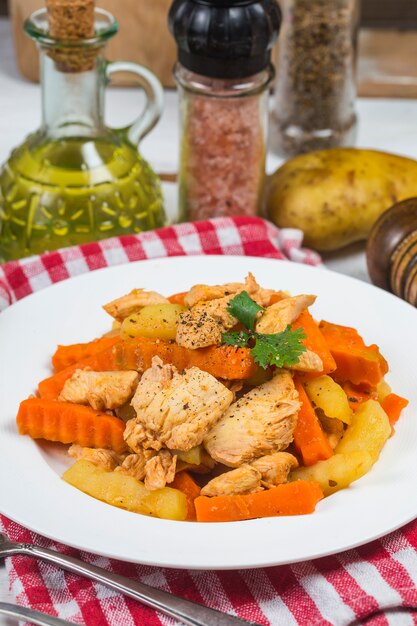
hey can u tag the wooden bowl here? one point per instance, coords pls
(392, 251)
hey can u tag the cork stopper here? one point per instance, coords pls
(72, 21)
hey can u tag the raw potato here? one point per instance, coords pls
(335, 196)
(126, 492)
(155, 321)
(327, 395)
(336, 473)
(368, 431)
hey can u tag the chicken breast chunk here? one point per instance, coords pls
(134, 464)
(204, 324)
(204, 293)
(101, 390)
(277, 316)
(274, 468)
(132, 303)
(106, 459)
(160, 470)
(244, 479)
(175, 412)
(260, 422)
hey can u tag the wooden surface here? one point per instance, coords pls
(387, 58)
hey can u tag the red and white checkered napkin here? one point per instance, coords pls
(330, 591)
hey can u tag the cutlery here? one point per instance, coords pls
(31, 616)
(186, 611)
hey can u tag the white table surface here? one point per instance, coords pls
(389, 125)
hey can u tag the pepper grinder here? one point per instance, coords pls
(392, 251)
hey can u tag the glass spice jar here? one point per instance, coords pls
(223, 73)
(314, 105)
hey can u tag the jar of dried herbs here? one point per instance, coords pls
(315, 91)
(223, 74)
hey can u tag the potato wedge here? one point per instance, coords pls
(336, 473)
(368, 431)
(155, 321)
(327, 395)
(126, 492)
(383, 390)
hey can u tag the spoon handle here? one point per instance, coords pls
(186, 611)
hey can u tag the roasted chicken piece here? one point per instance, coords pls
(160, 470)
(244, 479)
(108, 460)
(276, 319)
(259, 423)
(175, 410)
(277, 316)
(101, 390)
(275, 468)
(204, 293)
(132, 303)
(134, 464)
(204, 324)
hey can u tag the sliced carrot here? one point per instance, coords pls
(221, 361)
(68, 355)
(393, 406)
(297, 498)
(310, 440)
(315, 341)
(358, 394)
(178, 298)
(136, 354)
(185, 483)
(356, 362)
(70, 423)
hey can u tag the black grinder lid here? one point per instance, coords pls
(225, 38)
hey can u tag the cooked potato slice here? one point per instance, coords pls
(369, 431)
(327, 395)
(156, 321)
(383, 390)
(126, 492)
(336, 473)
(192, 457)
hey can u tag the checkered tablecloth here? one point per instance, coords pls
(361, 584)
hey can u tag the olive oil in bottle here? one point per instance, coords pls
(75, 180)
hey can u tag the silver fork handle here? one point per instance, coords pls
(31, 616)
(186, 611)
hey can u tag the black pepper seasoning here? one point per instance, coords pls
(315, 88)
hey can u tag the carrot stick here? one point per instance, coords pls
(185, 483)
(70, 423)
(356, 362)
(221, 361)
(136, 354)
(310, 440)
(297, 498)
(358, 394)
(315, 341)
(68, 355)
(393, 406)
(178, 298)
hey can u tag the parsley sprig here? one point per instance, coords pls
(279, 349)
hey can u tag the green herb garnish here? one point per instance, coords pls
(279, 349)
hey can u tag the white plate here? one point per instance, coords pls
(32, 493)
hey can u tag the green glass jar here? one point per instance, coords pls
(76, 180)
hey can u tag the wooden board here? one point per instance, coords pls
(143, 37)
